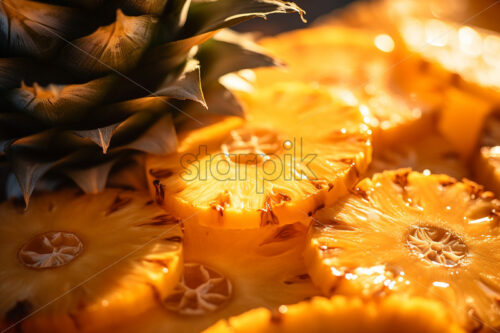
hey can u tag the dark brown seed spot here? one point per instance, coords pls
(175, 239)
(161, 220)
(297, 279)
(267, 216)
(340, 225)
(448, 182)
(319, 184)
(220, 203)
(160, 173)
(360, 193)
(159, 192)
(284, 233)
(18, 312)
(401, 179)
(118, 204)
(475, 190)
(279, 198)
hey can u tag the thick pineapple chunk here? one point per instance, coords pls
(73, 262)
(426, 235)
(340, 314)
(299, 149)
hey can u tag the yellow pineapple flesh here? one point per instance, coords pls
(298, 150)
(411, 233)
(366, 65)
(228, 272)
(340, 314)
(431, 153)
(76, 263)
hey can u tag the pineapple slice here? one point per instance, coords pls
(298, 149)
(426, 235)
(337, 57)
(228, 272)
(73, 262)
(340, 314)
(487, 167)
(432, 153)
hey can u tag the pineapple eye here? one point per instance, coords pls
(50, 250)
(251, 145)
(436, 245)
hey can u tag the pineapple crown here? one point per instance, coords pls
(86, 82)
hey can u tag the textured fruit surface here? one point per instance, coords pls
(228, 272)
(432, 153)
(339, 314)
(299, 149)
(336, 57)
(73, 262)
(426, 235)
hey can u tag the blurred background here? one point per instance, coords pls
(279, 23)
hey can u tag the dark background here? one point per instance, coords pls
(278, 22)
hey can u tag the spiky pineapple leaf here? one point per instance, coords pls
(115, 47)
(219, 99)
(187, 86)
(237, 50)
(207, 15)
(28, 172)
(101, 136)
(93, 179)
(56, 104)
(30, 28)
(159, 139)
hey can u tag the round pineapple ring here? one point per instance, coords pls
(298, 150)
(340, 314)
(401, 231)
(73, 262)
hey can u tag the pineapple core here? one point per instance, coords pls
(51, 249)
